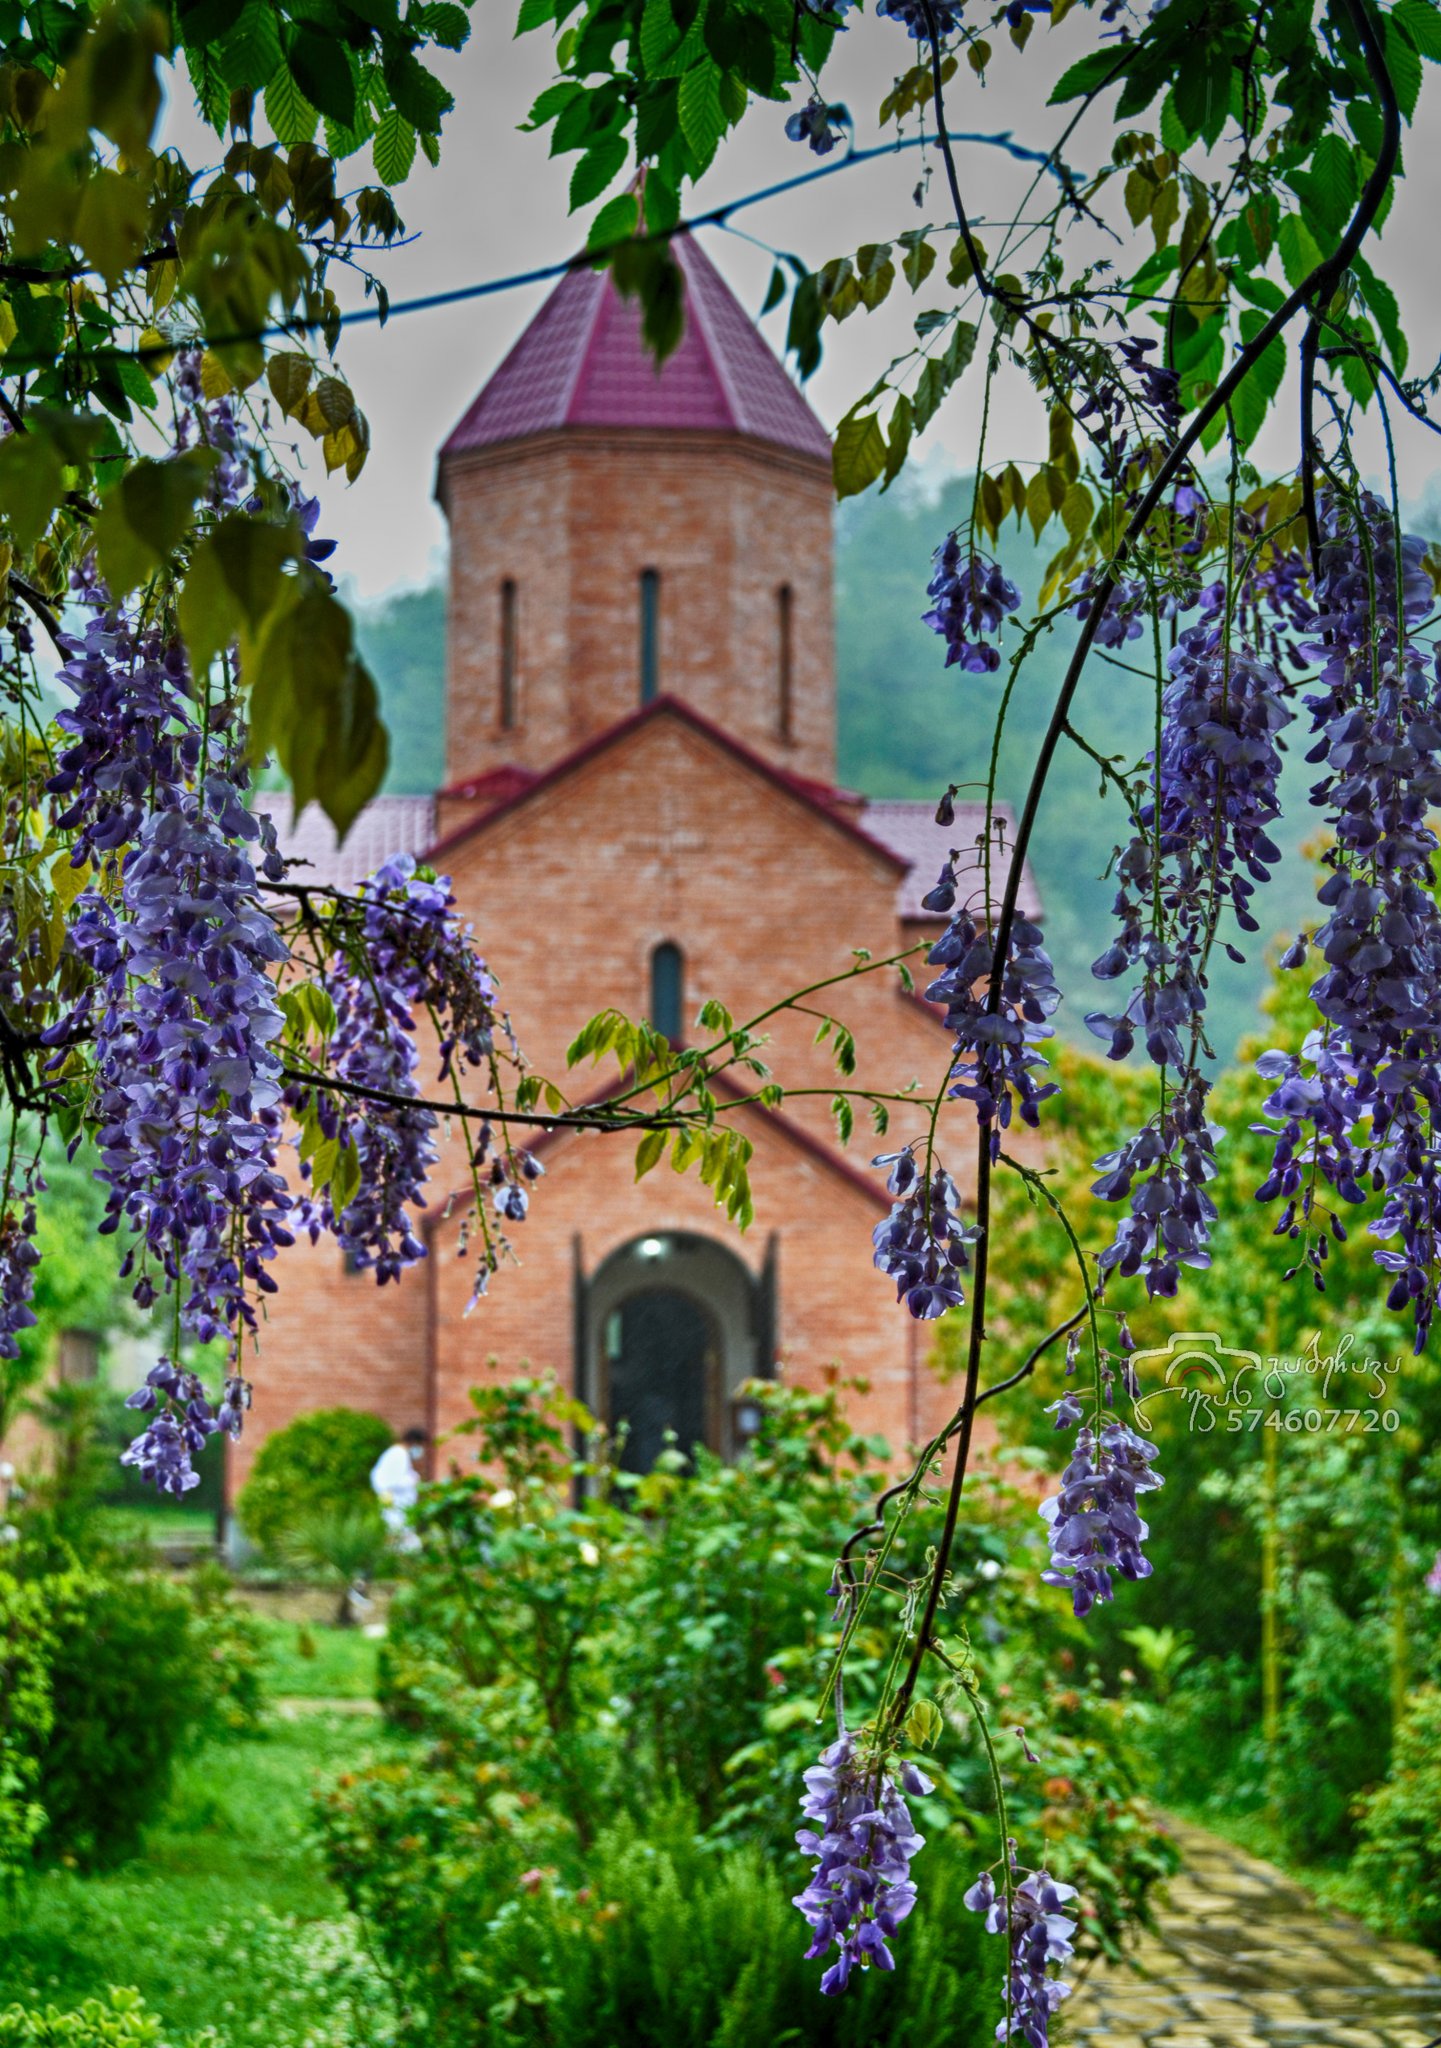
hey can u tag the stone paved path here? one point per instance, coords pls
(1244, 1958)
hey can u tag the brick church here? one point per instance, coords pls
(641, 810)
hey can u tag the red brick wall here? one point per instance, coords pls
(573, 521)
(665, 835)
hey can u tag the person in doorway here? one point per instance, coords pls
(395, 1482)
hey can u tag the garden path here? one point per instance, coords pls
(1243, 1957)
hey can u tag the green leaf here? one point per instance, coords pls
(250, 54)
(648, 1152)
(902, 427)
(111, 221)
(1403, 65)
(702, 121)
(146, 515)
(233, 584)
(1422, 23)
(1299, 253)
(393, 150)
(1335, 186)
(205, 21)
(207, 82)
(617, 220)
(321, 67)
(32, 483)
(552, 103)
(1175, 135)
(444, 23)
(1252, 398)
(596, 169)
(649, 271)
(417, 93)
(534, 14)
(1089, 75)
(775, 291)
(859, 454)
(314, 705)
(1382, 306)
(918, 263)
(665, 51)
(291, 116)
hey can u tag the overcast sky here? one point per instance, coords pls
(498, 204)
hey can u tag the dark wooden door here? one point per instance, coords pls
(661, 1363)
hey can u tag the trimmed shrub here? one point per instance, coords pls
(127, 1681)
(1399, 1862)
(319, 1464)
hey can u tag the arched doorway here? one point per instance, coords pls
(668, 1329)
(661, 1372)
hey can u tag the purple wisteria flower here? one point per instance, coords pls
(1039, 1935)
(1361, 1104)
(1121, 617)
(19, 1256)
(182, 1421)
(921, 19)
(819, 125)
(924, 1243)
(995, 1063)
(181, 1009)
(973, 597)
(1094, 1526)
(863, 1839)
(411, 959)
(1201, 846)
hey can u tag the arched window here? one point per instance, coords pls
(507, 654)
(649, 634)
(667, 991)
(784, 709)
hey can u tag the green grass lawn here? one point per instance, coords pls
(316, 1663)
(226, 1919)
(135, 1524)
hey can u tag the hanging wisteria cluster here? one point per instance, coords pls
(1360, 1104)
(408, 959)
(923, 1243)
(862, 1837)
(1038, 1936)
(178, 962)
(1201, 846)
(1093, 1523)
(995, 1064)
(973, 600)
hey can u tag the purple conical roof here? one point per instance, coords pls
(582, 363)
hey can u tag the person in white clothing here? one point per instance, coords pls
(395, 1482)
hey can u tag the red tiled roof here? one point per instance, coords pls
(496, 783)
(812, 794)
(910, 830)
(582, 363)
(387, 825)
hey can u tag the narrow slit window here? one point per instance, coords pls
(507, 654)
(649, 634)
(667, 990)
(784, 662)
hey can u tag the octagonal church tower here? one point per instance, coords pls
(640, 811)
